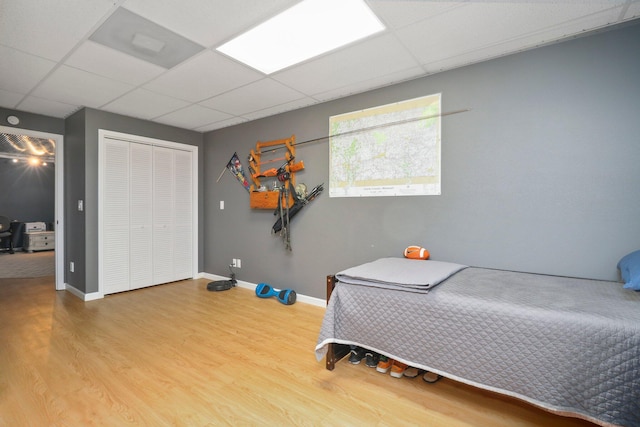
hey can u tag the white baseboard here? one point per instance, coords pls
(248, 285)
(84, 297)
(240, 283)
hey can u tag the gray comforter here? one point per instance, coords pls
(568, 345)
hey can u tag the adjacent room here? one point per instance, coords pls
(320, 212)
(28, 181)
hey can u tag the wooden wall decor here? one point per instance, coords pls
(271, 165)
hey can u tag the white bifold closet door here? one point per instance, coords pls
(183, 215)
(172, 213)
(141, 216)
(147, 215)
(115, 217)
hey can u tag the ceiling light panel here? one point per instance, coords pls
(306, 30)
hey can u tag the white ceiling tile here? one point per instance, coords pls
(192, 117)
(400, 13)
(281, 108)
(20, 71)
(49, 28)
(202, 77)
(47, 107)
(252, 97)
(144, 104)
(527, 41)
(10, 99)
(389, 79)
(466, 33)
(221, 124)
(633, 11)
(110, 63)
(208, 22)
(76, 87)
(579, 26)
(347, 66)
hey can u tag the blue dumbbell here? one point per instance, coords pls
(285, 296)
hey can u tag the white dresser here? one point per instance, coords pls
(39, 241)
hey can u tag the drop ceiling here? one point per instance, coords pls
(51, 65)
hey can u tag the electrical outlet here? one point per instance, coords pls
(72, 266)
(238, 263)
(234, 262)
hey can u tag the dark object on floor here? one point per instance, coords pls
(412, 372)
(372, 359)
(356, 355)
(223, 285)
(5, 233)
(430, 377)
(220, 285)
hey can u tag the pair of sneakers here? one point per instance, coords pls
(397, 368)
(358, 353)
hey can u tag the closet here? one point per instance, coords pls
(146, 212)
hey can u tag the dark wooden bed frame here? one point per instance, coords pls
(335, 351)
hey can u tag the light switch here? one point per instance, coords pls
(221, 204)
(80, 205)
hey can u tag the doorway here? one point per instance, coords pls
(22, 151)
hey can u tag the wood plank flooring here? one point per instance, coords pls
(178, 355)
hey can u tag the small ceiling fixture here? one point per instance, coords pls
(141, 38)
(13, 120)
(306, 30)
(143, 41)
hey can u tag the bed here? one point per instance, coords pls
(568, 345)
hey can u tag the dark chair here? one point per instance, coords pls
(5, 233)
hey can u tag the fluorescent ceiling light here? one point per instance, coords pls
(308, 29)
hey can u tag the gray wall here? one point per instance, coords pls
(32, 121)
(81, 182)
(541, 176)
(27, 193)
(74, 190)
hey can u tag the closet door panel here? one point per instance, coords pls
(163, 213)
(115, 211)
(183, 218)
(141, 236)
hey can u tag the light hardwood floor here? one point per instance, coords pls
(178, 355)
